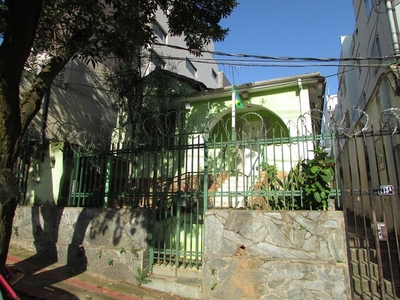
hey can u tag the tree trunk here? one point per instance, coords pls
(22, 19)
(8, 203)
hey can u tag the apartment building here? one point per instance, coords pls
(367, 117)
(169, 54)
(370, 82)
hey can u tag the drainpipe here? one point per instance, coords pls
(395, 37)
(393, 26)
(45, 110)
(300, 84)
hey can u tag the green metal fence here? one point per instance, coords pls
(183, 178)
(180, 177)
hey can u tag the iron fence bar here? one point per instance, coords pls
(153, 215)
(300, 172)
(287, 181)
(95, 174)
(396, 238)
(179, 206)
(284, 140)
(72, 201)
(363, 209)
(107, 180)
(370, 159)
(199, 245)
(395, 278)
(83, 179)
(337, 188)
(150, 196)
(341, 159)
(206, 176)
(118, 176)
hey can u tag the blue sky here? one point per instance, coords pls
(286, 28)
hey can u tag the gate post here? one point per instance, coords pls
(153, 212)
(74, 180)
(205, 184)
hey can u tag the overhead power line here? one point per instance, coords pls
(258, 63)
(281, 58)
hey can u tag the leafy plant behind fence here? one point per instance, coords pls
(307, 185)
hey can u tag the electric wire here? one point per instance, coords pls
(281, 58)
(253, 60)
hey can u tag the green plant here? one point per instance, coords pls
(307, 185)
(122, 250)
(213, 286)
(313, 177)
(110, 262)
(264, 166)
(302, 227)
(100, 253)
(274, 186)
(135, 251)
(213, 271)
(141, 277)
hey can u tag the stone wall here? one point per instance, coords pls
(275, 255)
(247, 254)
(111, 242)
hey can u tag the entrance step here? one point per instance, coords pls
(182, 282)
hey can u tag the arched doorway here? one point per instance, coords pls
(253, 123)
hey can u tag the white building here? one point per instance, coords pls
(370, 82)
(171, 55)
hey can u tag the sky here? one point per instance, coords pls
(285, 28)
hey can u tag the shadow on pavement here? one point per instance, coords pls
(41, 280)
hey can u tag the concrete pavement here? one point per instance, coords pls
(48, 280)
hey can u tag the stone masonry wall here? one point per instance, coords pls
(111, 242)
(275, 255)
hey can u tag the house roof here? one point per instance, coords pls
(314, 82)
(196, 85)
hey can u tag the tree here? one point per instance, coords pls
(148, 110)
(91, 30)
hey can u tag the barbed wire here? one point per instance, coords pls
(79, 139)
(250, 126)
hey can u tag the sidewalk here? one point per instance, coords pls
(46, 280)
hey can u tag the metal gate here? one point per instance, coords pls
(165, 178)
(370, 196)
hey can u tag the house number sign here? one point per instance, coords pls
(386, 190)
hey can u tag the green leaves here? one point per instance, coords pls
(98, 29)
(316, 175)
(314, 169)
